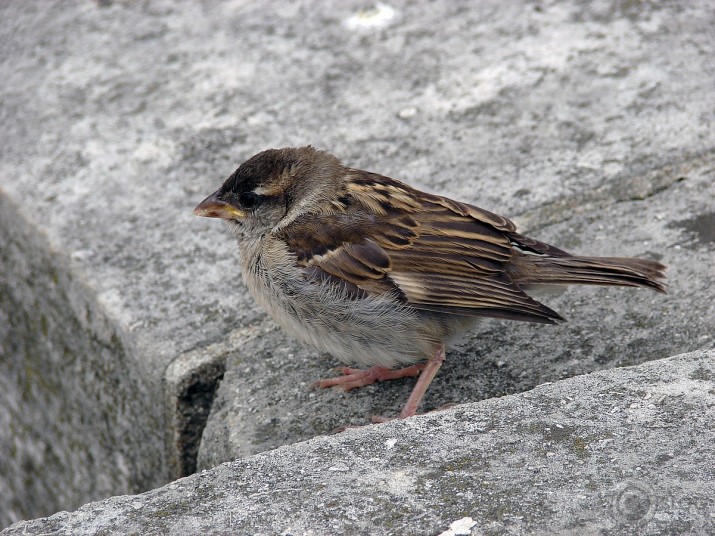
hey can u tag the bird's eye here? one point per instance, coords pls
(249, 199)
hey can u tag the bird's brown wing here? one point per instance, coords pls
(431, 252)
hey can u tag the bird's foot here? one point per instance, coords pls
(353, 378)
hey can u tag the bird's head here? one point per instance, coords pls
(272, 188)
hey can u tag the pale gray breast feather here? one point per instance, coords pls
(368, 331)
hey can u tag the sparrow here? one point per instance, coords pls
(382, 275)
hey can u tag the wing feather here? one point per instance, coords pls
(433, 253)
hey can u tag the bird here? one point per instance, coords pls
(383, 276)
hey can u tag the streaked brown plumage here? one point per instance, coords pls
(379, 273)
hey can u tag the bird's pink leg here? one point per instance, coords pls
(354, 378)
(428, 374)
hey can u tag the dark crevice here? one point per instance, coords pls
(193, 406)
(699, 231)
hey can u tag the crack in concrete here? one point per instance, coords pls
(622, 188)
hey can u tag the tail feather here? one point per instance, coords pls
(567, 270)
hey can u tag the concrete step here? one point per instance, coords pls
(130, 352)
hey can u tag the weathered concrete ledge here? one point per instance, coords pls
(120, 313)
(617, 452)
(76, 423)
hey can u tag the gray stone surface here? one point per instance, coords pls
(589, 122)
(75, 422)
(626, 451)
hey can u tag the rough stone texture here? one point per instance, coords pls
(75, 423)
(616, 452)
(589, 122)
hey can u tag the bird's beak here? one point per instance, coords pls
(213, 207)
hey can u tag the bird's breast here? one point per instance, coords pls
(374, 330)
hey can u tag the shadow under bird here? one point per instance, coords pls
(382, 275)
